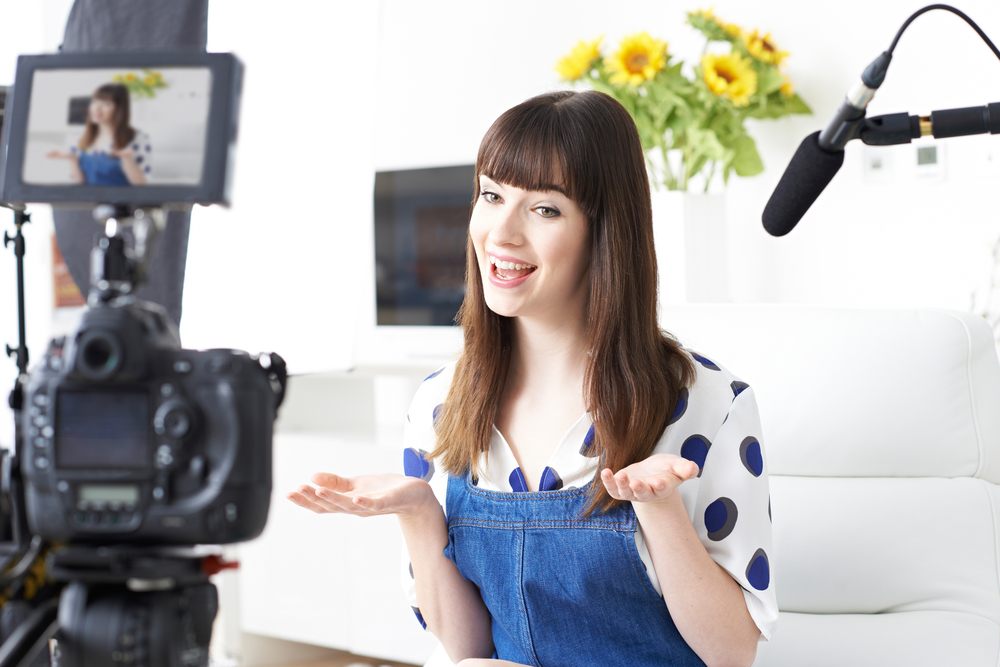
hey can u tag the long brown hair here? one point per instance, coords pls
(117, 94)
(635, 370)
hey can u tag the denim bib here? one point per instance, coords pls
(562, 591)
(102, 169)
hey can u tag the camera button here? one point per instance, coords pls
(167, 390)
(182, 366)
(39, 421)
(41, 400)
(40, 442)
(158, 493)
(48, 432)
(41, 463)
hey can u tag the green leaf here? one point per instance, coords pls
(747, 160)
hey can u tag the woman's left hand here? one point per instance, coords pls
(651, 480)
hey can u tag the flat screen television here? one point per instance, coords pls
(417, 277)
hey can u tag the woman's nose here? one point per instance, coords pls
(507, 228)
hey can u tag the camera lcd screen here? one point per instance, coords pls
(102, 430)
(107, 493)
(117, 127)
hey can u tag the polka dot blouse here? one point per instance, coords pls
(716, 424)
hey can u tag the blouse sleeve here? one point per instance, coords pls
(418, 440)
(733, 509)
(142, 147)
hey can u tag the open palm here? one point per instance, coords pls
(651, 480)
(365, 495)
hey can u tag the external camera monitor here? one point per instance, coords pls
(121, 128)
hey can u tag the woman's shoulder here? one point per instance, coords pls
(707, 400)
(430, 394)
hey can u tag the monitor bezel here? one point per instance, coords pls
(223, 114)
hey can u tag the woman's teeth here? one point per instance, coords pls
(501, 264)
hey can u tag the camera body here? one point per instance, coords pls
(130, 439)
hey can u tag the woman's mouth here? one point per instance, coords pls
(509, 274)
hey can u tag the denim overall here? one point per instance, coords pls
(562, 591)
(102, 169)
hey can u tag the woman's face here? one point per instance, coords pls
(531, 248)
(101, 111)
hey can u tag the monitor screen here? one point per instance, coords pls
(117, 126)
(421, 227)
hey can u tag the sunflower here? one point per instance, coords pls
(639, 58)
(733, 30)
(578, 62)
(729, 76)
(764, 49)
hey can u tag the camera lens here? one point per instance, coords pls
(100, 355)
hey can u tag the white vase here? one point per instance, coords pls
(692, 247)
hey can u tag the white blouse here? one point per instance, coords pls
(716, 425)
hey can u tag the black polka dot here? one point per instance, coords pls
(681, 407)
(707, 363)
(517, 481)
(587, 448)
(737, 387)
(751, 456)
(417, 463)
(420, 617)
(411, 570)
(759, 570)
(551, 481)
(695, 448)
(138, 159)
(135, 147)
(769, 509)
(720, 518)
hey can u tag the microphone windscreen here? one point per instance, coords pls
(809, 172)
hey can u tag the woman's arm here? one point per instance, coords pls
(133, 172)
(706, 603)
(449, 603)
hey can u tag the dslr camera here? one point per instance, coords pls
(131, 453)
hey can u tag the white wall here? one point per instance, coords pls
(458, 66)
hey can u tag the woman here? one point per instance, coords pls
(580, 488)
(110, 151)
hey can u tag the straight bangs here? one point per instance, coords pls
(532, 147)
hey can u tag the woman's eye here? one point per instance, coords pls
(548, 212)
(486, 194)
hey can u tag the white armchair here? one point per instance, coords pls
(882, 434)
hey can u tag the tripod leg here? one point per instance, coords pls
(31, 636)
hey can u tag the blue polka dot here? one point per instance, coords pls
(436, 413)
(695, 449)
(750, 454)
(738, 387)
(588, 449)
(769, 509)
(434, 374)
(720, 518)
(681, 407)
(148, 148)
(138, 160)
(135, 147)
(416, 464)
(759, 571)
(704, 361)
(420, 617)
(517, 481)
(551, 481)
(411, 570)
(146, 169)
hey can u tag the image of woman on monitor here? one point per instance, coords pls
(110, 151)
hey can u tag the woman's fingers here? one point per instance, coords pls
(331, 481)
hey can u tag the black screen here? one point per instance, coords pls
(102, 429)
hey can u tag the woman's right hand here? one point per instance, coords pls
(365, 495)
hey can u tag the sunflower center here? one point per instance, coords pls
(636, 62)
(768, 46)
(726, 74)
